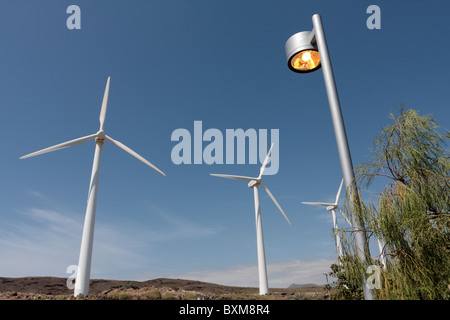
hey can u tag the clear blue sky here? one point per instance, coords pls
(172, 63)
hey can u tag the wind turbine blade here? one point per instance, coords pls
(275, 201)
(134, 154)
(229, 176)
(60, 146)
(266, 160)
(345, 217)
(339, 191)
(104, 105)
(319, 204)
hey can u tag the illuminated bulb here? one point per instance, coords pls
(305, 61)
(306, 56)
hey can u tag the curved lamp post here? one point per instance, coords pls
(307, 51)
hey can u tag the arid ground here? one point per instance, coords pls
(52, 288)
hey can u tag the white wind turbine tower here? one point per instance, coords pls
(84, 263)
(254, 183)
(332, 207)
(381, 245)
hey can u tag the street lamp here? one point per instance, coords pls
(301, 54)
(307, 51)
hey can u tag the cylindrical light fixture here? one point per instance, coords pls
(301, 55)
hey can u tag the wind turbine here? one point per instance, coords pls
(332, 207)
(84, 262)
(255, 183)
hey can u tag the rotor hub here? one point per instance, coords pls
(254, 183)
(100, 136)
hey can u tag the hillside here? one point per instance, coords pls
(52, 288)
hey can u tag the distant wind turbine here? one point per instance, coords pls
(254, 183)
(84, 263)
(332, 207)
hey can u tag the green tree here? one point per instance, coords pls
(411, 213)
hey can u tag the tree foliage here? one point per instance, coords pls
(412, 212)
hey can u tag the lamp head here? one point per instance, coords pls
(301, 55)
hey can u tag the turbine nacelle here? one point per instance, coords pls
(333, 207)
(254, 183)
(100, 136)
